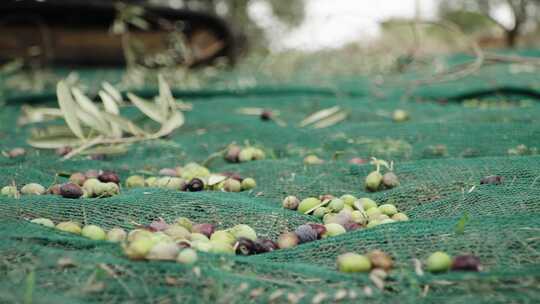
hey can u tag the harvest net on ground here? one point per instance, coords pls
(458, 133)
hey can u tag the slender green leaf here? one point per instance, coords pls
(148, 108)
(30, 286)
(460, 225)
(68, 107)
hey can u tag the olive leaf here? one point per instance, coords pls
(460, 225)
(114, 149)
(54, 142)
(30, 114)
(105, 126)
(111, 107)
(148, 108)
(215, 179)
(330, 120)
(68, 107)
(165, 98)
(112, 91)
(174, 122)
(91, 121)
(319, 115)
(124, 124)
(88, 106)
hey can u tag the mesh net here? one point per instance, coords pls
(451, 141)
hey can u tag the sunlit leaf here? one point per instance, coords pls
(111, 107)
(108, 150)
(89, 113)
(166, 99)
(314, 117)
(68, 107)
(112, 91)
(331, 120)
(124, 124)
(250, 111)
(215, 179)
(174, 122)
(54, 142)
(86, 104)
(92, 122)
(148, 108)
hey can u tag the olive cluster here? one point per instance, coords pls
(354, 262)
(193, 177)
(183, 233)
(347, 211)
(163, 241)
(137, 244)
(308, 233)
(237, 154)
(89, 184)
(439, 262)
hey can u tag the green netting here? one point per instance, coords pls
(436, 190)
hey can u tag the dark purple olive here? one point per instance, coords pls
(195, 185)
(466, 263)
(492, 179)
(320, 228)
(266, 115)
(109, 177)
(265, 245)
(71, 190)
(245, 246)
(306, 233)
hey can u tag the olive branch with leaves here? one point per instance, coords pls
(91, 125)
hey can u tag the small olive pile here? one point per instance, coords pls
(240, 239)
(237, 154)
(137, 244)
(308, 233)
(354, 262)
(90, 184)
(375, 181)
(193, 177)
(439, 262)
(163, 241)
(348, 211)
